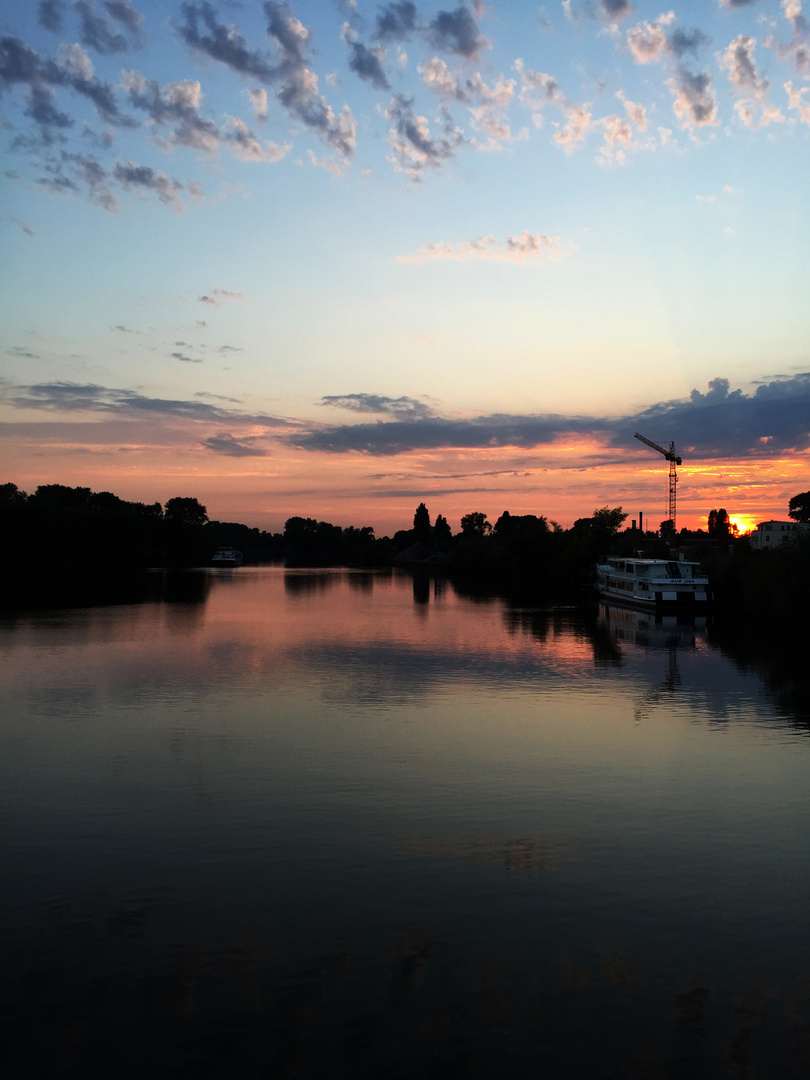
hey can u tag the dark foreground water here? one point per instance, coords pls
(325, 824)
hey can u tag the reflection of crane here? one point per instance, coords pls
(673, 460)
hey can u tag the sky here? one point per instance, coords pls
(335, 258)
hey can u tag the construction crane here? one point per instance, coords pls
(673, 460)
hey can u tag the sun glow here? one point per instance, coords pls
(742, 523)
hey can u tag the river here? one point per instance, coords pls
(269, 823)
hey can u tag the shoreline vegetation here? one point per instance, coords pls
(64, 539)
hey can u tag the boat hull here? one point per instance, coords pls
(660, 600)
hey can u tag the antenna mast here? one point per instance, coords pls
(673, 460)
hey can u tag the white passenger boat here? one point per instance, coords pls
(653, 583)
(226, 556)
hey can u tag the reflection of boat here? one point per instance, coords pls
(653, 583)
(226, 556)
(652, 629)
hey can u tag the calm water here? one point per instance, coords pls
(327, 823)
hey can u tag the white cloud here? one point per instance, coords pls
(258, 99)
(738, 60)
(695, 102)
(647, 41)
(74, 61)
(333, 166)
(524, 247)
(796, 102)
(538, 90)
(219, 296)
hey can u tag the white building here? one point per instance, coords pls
(770, 534)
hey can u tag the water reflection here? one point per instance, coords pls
(310, 823)
(311, 582)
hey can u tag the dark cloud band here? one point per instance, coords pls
(720, 423)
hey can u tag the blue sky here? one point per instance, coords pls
(327, 257)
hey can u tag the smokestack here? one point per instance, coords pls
(641, 520)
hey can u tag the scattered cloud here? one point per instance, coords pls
(365, 61)
(142, 178)
(798, 48)
(295, 82)
(220, 296)
(67, 153)
(402, 407)
(217, 397)
(650, 42)
(738, 61)
(396, 21)
(621, 133)
(177, 106)
(70, 397)
(539, 90)
(695, 102)
(616, 9)
(457, 32)
(258, 99)
(751, 87)
(796, 101)
(486, 104)
(72, 69)
(335, 166)
(99, 32)
(21, 353)
(244, 446)
(413, 147)
(50, 14)
(680, 42)
(125, 13)
(524, 247)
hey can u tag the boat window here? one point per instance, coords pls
(674, 569)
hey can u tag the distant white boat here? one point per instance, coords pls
(653, 583)
(226, 556)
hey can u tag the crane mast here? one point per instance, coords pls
(673, 459)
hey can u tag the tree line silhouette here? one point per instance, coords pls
(61, 530)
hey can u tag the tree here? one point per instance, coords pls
(185, 511)
(514, 526)
(608, 520)
(719, 525)
(475, 525)
(442, 531)
(10, 495)
(421, 523)
(667, 529)
(59, 496)
(799, 507)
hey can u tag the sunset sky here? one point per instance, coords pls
(334, 258)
